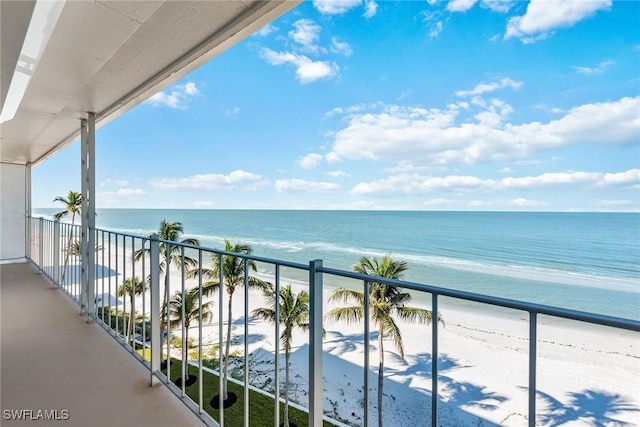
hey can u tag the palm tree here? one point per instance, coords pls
(294, 313)
(72, 205)
(169, 254)
(385, 301)
(190, 303)
(132, 287)
(233, 272)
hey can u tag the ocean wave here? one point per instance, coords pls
(302, 251)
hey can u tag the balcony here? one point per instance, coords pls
(333, 373)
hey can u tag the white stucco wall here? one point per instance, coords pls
(12, 212)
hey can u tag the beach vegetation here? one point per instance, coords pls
(228, 271)
(72, 205)
(131, 288)
(75, 249)
(386, 303)
(293, 312)
(184, 309)
(169, 254)
(261, 405)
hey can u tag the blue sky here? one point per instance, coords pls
(426, 105)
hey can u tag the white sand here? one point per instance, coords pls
(587, 375)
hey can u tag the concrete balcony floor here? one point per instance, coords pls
(52, 359)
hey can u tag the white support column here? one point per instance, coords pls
(84, 224)
(315, 343)
(27, 211)
(56, 253)
(88, 245)
(156, 337)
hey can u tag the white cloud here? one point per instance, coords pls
(544, 16)
(436, 29)
(439, 202)
(335, 7)
(598, 69)
(338, 174)
(203, 204)
(178, 97)
(119, 196)
(342, 48)
(306, 34)
(506, 169)
(127, 192)
(114, 182)
(419, 184)
(302, 186)
(431, 137)
(207, 182)
(495, 113)
(310, 161)
(307, 71)
(460, 5)
(521, 202)
(351, 109)
(266, 30)
(232, 111)
(622, 179)
(498, 5)
(483, 88)
(370, 8)
(615, 203)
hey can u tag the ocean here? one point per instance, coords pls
(581, 261)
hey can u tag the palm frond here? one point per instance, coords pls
(344, 295)
(391, 330)
(351, 314)
(264, 313)
(415, 314)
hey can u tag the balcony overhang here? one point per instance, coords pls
(104, 57)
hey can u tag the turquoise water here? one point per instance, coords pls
(583, 261)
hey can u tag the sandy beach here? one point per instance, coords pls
(587, 375)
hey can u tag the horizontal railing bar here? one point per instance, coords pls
(600, 319)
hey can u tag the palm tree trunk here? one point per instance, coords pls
(66, 257)
(185, 350)
(380, 375)
(164, 306)
(132, 316)
(286, 388)
(227, 348)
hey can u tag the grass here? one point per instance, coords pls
(261, 408)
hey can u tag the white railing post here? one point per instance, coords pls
(156, 339)
(315, 343)
(533, 341)
(41, 244)
(56, 253)
(435, 316)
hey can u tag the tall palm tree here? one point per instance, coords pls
(72, 204)
(190, 302)
(385, 302)
(293, 313)
(169, 254)
(131, 288)
(233, 271)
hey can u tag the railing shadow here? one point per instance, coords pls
(598, 407)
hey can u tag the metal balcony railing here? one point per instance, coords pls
(142, 322)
